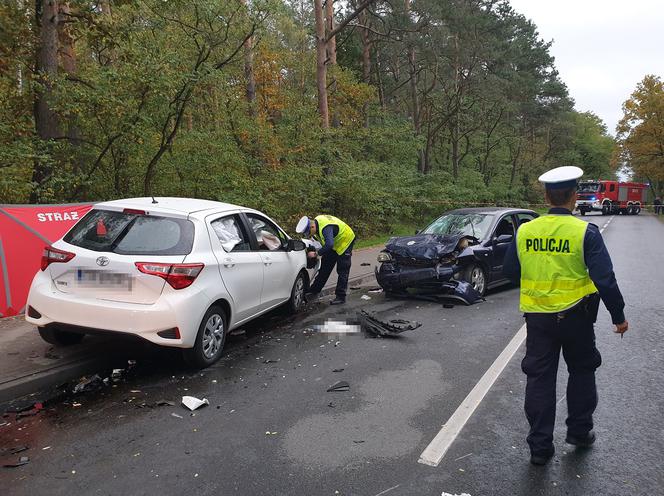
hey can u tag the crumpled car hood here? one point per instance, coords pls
(423, 247)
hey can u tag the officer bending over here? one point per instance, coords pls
(562, 264)
(337, 239)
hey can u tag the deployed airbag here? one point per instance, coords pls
(424, 247)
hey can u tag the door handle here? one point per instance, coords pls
(229, 263)
(267, 261)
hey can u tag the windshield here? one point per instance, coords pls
(588, 188)
(475, 225)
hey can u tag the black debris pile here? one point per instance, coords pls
(385, 327)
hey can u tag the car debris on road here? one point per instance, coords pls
(194, 403)
(385, 327)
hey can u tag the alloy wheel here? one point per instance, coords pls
(477, 279)
(213, 336)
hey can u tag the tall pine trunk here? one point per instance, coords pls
(46, 69)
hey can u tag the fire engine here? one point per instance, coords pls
(611, 197)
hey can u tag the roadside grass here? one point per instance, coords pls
(380, 239)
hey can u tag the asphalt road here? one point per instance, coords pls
(273, 429)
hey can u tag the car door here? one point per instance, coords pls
(504, 227)
(280, 266)
(240, 267)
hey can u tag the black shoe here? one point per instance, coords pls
(581, 441)
(311, 297)
(338, 301)
(541, 458)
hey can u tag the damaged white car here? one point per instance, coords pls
(174, 271)
(460, 254)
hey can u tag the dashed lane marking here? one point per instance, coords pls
(437, 448)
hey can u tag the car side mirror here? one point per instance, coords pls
(295, 245)
(503, 238)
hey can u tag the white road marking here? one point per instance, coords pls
(437, 448)
(387, 490)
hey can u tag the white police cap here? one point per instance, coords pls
(303, 225)
(561, 177)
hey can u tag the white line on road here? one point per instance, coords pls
(437, 448)
(388, 490)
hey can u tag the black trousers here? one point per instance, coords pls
(547, 335)
(327, 263)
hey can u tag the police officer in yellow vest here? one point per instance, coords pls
(563, 268)
(336, 238)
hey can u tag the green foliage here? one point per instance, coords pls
(157, 104)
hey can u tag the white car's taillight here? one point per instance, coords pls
(53, 255)
(179, 276)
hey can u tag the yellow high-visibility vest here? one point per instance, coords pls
(344, 237)
(554, 276)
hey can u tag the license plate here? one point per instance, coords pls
(103, 279)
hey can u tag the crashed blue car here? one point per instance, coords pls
(459, 255)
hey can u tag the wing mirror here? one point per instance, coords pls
(295, 245)
(503, 238)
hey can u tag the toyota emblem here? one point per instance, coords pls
(102, 261)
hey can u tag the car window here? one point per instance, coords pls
(505, 226)
(471, 224)
(132, 233)
(230, 233)
(268, 236)
(524, 217)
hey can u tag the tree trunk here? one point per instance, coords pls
(249, 70)
(321, 67)
(46, 123)
(329, 25)
(366, 48)
(331, 53)
(69, 65)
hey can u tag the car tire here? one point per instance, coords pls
(58, 337)
(297, 299)
(210, 339)
(475, 275)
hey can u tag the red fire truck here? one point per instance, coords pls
(611, 197)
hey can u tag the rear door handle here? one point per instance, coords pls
(229, 263)
(267, 261)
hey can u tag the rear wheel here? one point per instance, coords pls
(209, 340)
(58, 337)
(296, 301)
(475, 275)
(637, 209)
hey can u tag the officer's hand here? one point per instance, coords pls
(622, 328)
(312, 254)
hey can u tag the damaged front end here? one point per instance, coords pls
(427, 263)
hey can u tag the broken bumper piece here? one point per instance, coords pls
(437, 281)
(385, 328)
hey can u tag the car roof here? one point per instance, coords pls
(487, 210)
(170, 205)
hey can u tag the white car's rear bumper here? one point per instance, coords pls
(182, 309)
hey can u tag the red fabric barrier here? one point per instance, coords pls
(24, 232)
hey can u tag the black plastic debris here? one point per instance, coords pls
(24, 460)
(270, 361)
(339, 387)
(365, 264)
(385, 328)
(337, 370)
(86, 385)
(18, 449)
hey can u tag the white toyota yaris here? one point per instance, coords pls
(175, 271)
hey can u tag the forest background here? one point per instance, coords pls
(384, 113)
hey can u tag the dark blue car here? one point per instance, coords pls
(467, 244)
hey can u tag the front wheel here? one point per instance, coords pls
(209, 340)
(606, 209)
(476, 277)
(296, 301)
(58, 337)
